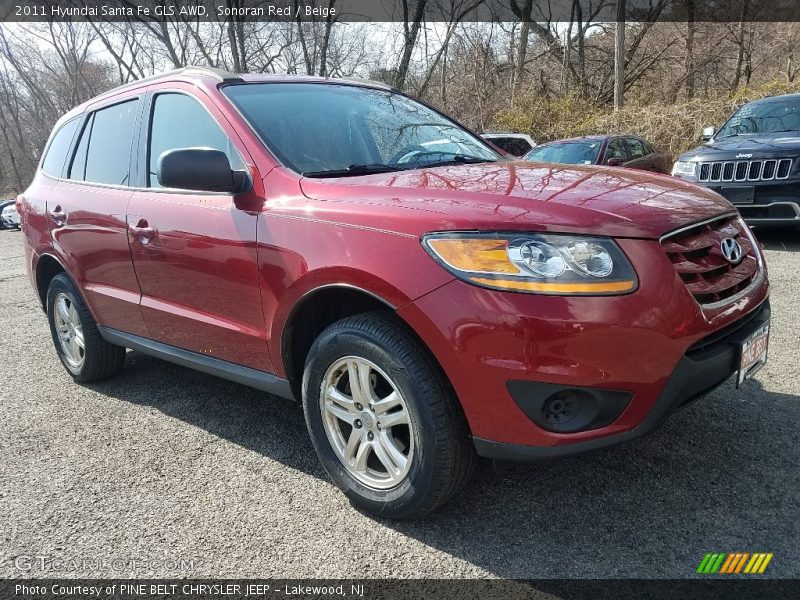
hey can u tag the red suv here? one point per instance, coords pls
(426, 299)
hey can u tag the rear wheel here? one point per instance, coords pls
(384, 422)
(84, 353)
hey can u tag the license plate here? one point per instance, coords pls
(738, 195)
(753, 354)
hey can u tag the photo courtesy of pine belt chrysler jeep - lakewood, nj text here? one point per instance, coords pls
(428, 299)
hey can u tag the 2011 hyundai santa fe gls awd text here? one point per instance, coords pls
(426, 299)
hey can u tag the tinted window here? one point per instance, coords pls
(56, 154)
(515, 146)
(572, 153)
(636, 148)
(316, 128)
(181, 122)
(103, 153)
(616, 149)
(768, 116)
(78, 168)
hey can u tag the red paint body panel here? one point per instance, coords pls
(222, 275)
(533, 197)
(484, 338)
(92, 243)
(198, 275)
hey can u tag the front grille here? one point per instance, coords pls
(696, 254)
(745, 170)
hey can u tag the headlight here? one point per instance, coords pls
(684, 167)
(536, 263)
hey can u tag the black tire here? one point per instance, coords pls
(101, 360)
(444, 456)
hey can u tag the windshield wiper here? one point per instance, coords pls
(352, 170)
(457, 159)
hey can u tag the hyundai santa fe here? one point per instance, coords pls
(427, 300)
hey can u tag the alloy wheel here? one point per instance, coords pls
(69, 330)
(367, 422)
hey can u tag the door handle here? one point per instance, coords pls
(142, 231)
(59, 216)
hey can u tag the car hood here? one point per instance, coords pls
(771, 145)
(533, 197)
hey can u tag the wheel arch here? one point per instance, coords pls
(47, 267)
(314, 311)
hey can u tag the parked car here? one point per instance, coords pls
(425, 304)
(611, 150)
(9, 217)
(753, 161)
(516, 144)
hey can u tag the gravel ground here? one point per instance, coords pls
(164, 463)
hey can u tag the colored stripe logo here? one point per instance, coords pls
(734, 563)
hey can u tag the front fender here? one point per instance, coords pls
(298, 256)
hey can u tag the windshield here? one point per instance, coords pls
(318, 129)
(571, 153)
(763, 117)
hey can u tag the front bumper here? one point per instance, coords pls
(704, 367)
(771, 203)
(640, 343)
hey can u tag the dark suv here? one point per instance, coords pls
(425, 298)
(753, 161)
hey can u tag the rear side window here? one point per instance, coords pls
(104, 149)
(515, 146)
(180, 121)
(56, 155)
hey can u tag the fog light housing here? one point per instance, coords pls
(565, 409)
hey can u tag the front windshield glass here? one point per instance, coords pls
(763, 117)
(341, 129)
(571, 153)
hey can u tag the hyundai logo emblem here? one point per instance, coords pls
(731, 250)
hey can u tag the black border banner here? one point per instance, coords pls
(398, 10)
(738, 588)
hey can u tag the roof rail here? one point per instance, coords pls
(218, 74)
(369, 82)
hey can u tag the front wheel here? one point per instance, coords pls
(384, 422)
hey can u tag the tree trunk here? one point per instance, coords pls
(522, 51)
(411, 30)
(690, 30)
(323, 54)
(619, 56)
(740, 46)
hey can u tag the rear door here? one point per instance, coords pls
(195, 252)
(86, 214)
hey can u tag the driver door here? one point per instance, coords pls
(195, 252)
(616, 153)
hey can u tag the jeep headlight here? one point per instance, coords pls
(535, 263)
(685, 168)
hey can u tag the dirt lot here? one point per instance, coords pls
(164, 464)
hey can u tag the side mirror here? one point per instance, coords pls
(615, 161)
(201, 169)
(708, 133)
